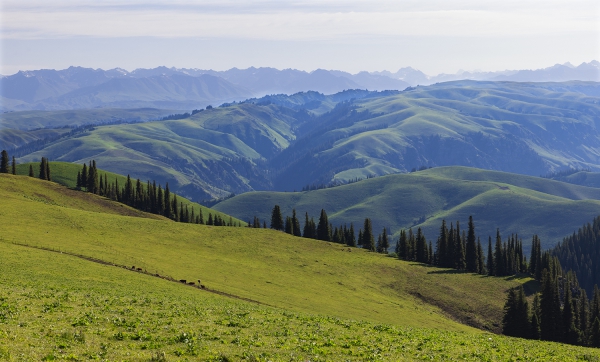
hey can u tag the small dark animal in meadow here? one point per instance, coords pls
(183, 281)
(202, 286)
(139, 269)
(191, 283)
(133, 267)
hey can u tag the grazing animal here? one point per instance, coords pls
(202, 286)
(191, 283)
(139, 269)
(133, 267)
(199, 282)
(183, 281)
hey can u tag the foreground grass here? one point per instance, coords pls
(271, 267)
(57, 307)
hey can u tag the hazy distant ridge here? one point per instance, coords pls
(185, 89)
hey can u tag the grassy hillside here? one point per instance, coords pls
(66, 174)
(583, 178)
(55, 306)
(514, 203)
(211, 154)
(287, 142)
(263, 265)
(313, 300)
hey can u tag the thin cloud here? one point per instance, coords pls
(294, 20)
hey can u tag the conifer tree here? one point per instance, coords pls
(480, 258)
(201, 217)
(472, 260)
(31, 171)
(167, 202)
(499, 261)
(78, 183)
(383, 242)
(368, 238)
(4, 162)
(296, 224)
(323, 230)
(210, 219)
(43, 169)
(289, 226)
(571, 331)
(14, 166)
(276, 219)
(306, 233)
(351, 238)
(595, 333)
(422, 254)
(549, 308)
(516, 314)
(48, 175)
(490, 259)
(442, 247)
(175, 214)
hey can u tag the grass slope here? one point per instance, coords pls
(270, 267)
(514, 203)
(66, 174)
(196, 156)
(54, 306)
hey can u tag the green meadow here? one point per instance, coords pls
(66, 174)
(514, 203)
(289, 298)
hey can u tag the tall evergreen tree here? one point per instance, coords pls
(569, 322)
(48, 175)
(167, 202)
(14, 166)
(296, 224)
(84, 175)
(368, 240)
(422, 254)
(471, 249)
(306, 233)
(383, 244)
(323, 230)
(276, 219)
(4, 162)
(499, 262)
(480, 258)
(351, 237)
(516, 314)
(43, 169)
(175, 214)
(550, 309)
(490, 259)
(31, 171)
(289, 226)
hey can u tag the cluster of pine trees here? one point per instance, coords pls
(462, 250)
(561, 312)
(149, 197)
(324, 230)
(580, 253)
(4, 163)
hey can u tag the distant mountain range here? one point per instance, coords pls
(187, 89)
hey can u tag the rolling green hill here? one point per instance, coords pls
(311, 299)
(514, 203)
(285, 143)
(66, 174)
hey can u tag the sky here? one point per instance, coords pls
(434, 36)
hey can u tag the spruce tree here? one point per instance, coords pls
(276, 219)
(175, 214)
(384, 243)
(480, 258)
(306, 233)
(571, 331)
(43, 169)
(491, 271)
(31, 171)
(516, 314)
(595, 333)
(442, 247)
(296, 224)
(4, 162)
(323, 230)
(499, 262)
(368, 241)
(48, 175)
(167, 201)
(422, 254)
(549, 308)
(472, 261)
(351, 238)
(84, 175)
(289, 226)
(14, 166)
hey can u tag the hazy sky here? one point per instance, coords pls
(434, 36)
